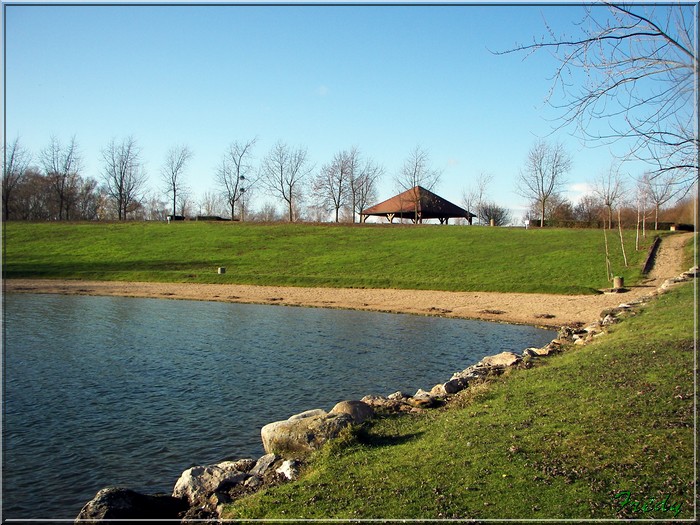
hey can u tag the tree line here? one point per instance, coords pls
(52, 185)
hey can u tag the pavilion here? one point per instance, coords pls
(417, 204)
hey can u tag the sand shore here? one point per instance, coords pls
(534, 309)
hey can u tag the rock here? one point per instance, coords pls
(692, 273)
(196, 484)
(263, 464)
(454, 385)
(503, 359)
(302, 433)
(289, 469)
(122, 503)
(565, 333)
(423, 399)
(200, 514)
(242, 465)
(308, 413)
(384, 404)
(398, 395)
(608, 320)
(357, 410)
(375, 401)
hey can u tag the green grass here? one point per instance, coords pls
(453, 258)
(561, 440)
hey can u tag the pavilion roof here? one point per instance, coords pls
(418, 201)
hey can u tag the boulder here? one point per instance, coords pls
(302, 433)
(357, 410)
(121, 503)
(503, 359)
(454, 385)
(198, 483)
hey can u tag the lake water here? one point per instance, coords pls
(102, 391)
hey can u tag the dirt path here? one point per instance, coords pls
(535, 309)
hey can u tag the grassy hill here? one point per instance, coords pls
(369, 256)
(603, 431)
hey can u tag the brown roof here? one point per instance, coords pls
(418, 201)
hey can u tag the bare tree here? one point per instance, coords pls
(123, 175)
(641, 65)
(61, 165)
(417, 171)
(588, 209)
(234, 174)
(490, 211)
(211, 204)
(172, 173)
(475, 196)
(363, 184)
(14, 169)
(609, 187)
(332, 183)
(544, 174)
(283, 172)
(660, 190)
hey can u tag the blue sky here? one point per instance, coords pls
(382, 78)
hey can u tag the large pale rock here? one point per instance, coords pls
(122, 503)
(302, 433)
(357, 410)
(196, 484)
(502, 359)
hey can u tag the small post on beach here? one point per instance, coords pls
(618, 283)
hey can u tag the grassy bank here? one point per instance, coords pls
(569, 438)
(371, 256)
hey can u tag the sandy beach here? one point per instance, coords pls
(533, 309)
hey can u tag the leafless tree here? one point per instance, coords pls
(544, 174)
(234, 175)
(608, 187)
(123, 175)
(332, 183)
(660, 190)
(172, 173)
(490, 211)
(14, 169)
(267, 213)
(363, 185)
(283, 172)
(641, 65)
(417, 171)
(588, 209)
(211, 204)
(347, 182)
(61, 165)
(475, 196)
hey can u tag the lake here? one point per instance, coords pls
(102, 391)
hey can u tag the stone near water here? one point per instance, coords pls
(302, 433)
(502, 359)
(120, 503)
(357, 410)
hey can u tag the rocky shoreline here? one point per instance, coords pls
(202, 491)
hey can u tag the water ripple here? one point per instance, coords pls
(102, 391)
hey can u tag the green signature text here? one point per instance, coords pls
(633, 503)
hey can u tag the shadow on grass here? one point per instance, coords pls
(366, 438)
